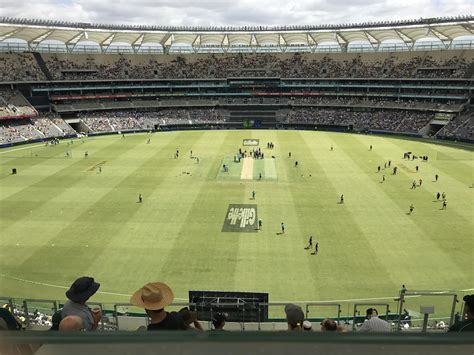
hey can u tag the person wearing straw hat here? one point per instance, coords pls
(153, 298)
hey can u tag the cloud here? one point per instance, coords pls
(235, 13)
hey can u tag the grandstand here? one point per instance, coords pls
(281, 86)
(87, 94)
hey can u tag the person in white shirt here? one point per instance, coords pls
(374, 323)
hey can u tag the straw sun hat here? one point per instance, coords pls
(152, 296)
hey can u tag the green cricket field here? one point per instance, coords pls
(65, 215)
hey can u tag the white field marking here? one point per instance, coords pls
(67, 287)
(247, 169)
(22, 148)
(185, 299)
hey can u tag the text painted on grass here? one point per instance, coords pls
(250, 142)
(241, 218)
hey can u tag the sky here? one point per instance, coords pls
(232, 13)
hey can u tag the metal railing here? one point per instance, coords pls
(404, 294)
(114, 313)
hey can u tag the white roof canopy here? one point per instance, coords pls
(35, 32)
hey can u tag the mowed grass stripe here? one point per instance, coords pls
(95, 225)
(159, 242)
(263, 257)
(33, 170)
(152, 230)
(463, 169)
(394, 229)
(54, 203)
(453, 180)
(31, 198)
(415, 231)
(341, 237)
(149, 177)
(23, 160)
(289, 264)
(207, 257)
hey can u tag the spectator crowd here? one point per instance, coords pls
(102, 66)
(110, 121)
(155, 297)
(385, 120)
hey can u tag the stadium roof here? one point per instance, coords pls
(35, 32)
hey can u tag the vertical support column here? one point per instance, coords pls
(401, 301)
(453, 309)
(27, 314)
(425, 322)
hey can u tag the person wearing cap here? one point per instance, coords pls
(307, 325)
(294, 317)
(374, 323)
(153, 298)
(467, 324)
(218, 320)
(80, 291)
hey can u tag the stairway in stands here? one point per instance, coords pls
(42, 65)
(470, 71)
(264, 112)
(239, 115)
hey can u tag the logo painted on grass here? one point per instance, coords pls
(250, 142)
(241, 218)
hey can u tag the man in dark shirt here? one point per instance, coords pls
(467, 325)
(154, 297)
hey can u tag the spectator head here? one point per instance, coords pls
(469, 306)
(82, 289)
(372, 312)
(294, 317)
(189, 317)
(153, 297)
(328, 325)
(218, 320)
(71, 323)
(307, 325)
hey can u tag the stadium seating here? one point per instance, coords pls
(14, 105)
(20, 66)
(407, 113)
(460, 127)
(452, 64)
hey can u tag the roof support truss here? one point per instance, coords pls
(138, 43)
(410, 43)
(445, 40)
(104, 45)
(373, 41)
(343, 43)
(10, 34)
(72, 43)
(41, 37)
